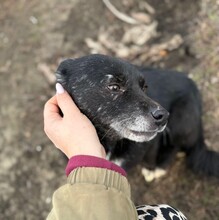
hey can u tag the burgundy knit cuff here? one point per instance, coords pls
(91, 161)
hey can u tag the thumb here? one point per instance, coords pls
(65, 102)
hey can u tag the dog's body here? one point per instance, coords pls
(128, 118)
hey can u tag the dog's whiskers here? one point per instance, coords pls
(107, 132)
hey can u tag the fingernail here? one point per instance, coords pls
(59, 88)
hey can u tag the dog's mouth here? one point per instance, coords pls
(147, 133)
(141, 136)
(143, 133)
(136, 133)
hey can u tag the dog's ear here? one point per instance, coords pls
(63, 72)
(60, 77)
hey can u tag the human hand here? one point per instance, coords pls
(72, 133)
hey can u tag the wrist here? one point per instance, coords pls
(97, 152)
(92, 161)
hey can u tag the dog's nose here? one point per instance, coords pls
(160, 116)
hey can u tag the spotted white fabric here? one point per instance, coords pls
(159, 212)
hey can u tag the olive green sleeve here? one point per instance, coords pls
(93, 194)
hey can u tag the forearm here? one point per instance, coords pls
(94, 193)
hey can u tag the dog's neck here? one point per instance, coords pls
(108, 144)
(108, 137)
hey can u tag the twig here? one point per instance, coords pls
(47, 72)
(149, 8)
(119, 14)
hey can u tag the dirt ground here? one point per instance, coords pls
(36, 35)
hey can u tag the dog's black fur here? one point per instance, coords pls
(127, 116)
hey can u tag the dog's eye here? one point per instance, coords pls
(114, 87)
(144, 88)
(142, 84)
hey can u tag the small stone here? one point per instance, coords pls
(48, 200)
(33, 20)
(38, 148)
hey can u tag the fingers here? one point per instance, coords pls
(65, 102)
(51, 114)
(51, 108)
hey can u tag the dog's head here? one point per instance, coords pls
(113, 95)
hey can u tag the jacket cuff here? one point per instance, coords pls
(92, 161)
(98, 176)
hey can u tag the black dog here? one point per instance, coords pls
(122, 102)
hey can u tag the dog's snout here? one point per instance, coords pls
(160, 116)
